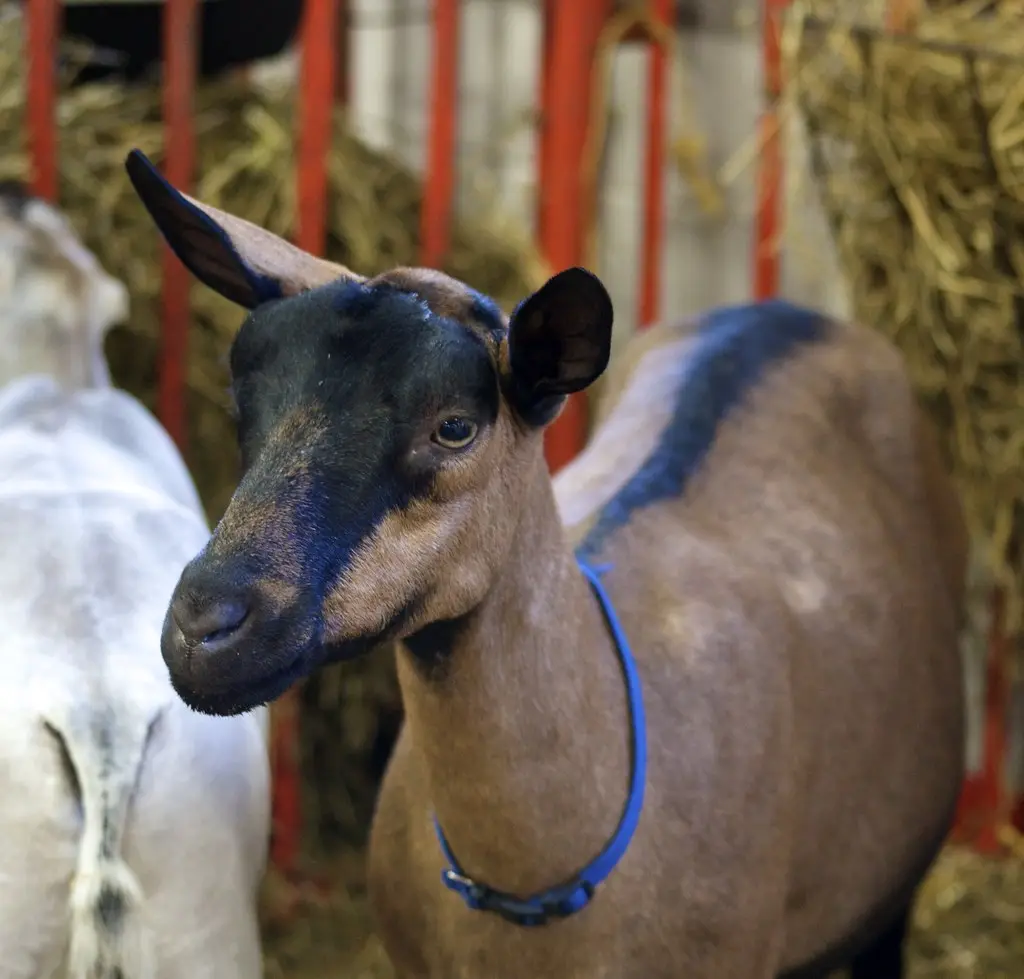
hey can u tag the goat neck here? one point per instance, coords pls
(524, 729)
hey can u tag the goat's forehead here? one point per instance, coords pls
(359, 325)
(359, 354)
(447, 298)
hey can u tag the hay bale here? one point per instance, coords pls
(246, 166)
(967, 919)
(966, 925)
(917, 152)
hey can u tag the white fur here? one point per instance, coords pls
(53, 313)
(113, 792)
(97, 517)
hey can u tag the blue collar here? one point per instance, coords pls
(574, 895)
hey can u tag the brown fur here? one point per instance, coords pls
(267, 254)
(794, 616)
(271, 523)
(772, 621)
(440, 555)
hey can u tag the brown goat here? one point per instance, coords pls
(786, 562)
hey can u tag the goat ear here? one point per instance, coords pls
(241, 261)
(559, 342)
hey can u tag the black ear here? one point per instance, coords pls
(559, 341)
(241, 261)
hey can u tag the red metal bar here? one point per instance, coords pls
(41, 34)
(654, 175)
(286, 781)
(769, 173)
(316, 108)
(573, 28)
(180, 44)
(767, 215)
(983, 804)
(901, 14)
(439, 187)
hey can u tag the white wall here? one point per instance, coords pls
(705, 261)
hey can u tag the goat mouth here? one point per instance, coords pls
(244, 695)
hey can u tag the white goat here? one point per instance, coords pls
(133, 832)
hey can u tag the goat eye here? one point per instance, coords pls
(455, 433)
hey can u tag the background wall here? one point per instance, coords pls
(706, 261)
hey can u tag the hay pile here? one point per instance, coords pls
(968, 920)
(246, 166)
(967, 924)
(917, 151)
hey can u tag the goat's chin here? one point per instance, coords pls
(240, 697)
(244, 693)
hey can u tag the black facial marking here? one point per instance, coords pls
(359, 299)
(380, 369)
(486, 312)
(369, 372)
(340, 392)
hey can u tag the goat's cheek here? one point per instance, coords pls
(406, 563)
(378, 584)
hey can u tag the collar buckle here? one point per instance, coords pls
(533, 912)
(459, 882)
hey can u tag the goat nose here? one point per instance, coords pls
(212, 623)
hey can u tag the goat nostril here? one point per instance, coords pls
(216, 622)
(231, 617)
